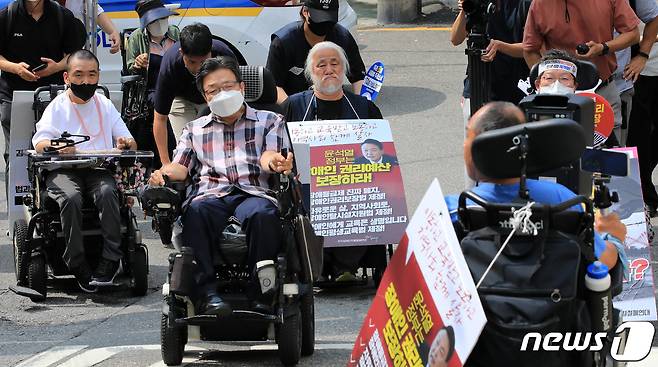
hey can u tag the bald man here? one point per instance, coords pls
(499, 115)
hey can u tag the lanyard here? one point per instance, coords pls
(314, 101)
(101, 131)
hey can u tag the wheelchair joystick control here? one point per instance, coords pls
(599, 297)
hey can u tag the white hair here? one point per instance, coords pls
(308, 66)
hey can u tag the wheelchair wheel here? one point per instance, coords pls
(308, 324)
(139, 271)
(172, 344)
(289, 337)
(37, 277)
(20, 262)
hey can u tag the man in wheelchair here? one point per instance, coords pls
(499, 115)
(228, 156)
(83, 112)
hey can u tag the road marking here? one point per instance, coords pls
(406, 29)
(98, 355)
(51, 356)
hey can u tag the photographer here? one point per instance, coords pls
(565, 25)
(504, 52)
(499, 115)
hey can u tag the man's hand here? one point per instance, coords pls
(634, 68)
(67, 150)
(156, 178)
(611, 224)
(491, 50)
(124, 143)
(22, 70)
(114, 42)
(595, 50)
(141, 61)
(51, 68)
(280, 164)
(460, 5)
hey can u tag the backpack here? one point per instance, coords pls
(12, 8)
(527, 289)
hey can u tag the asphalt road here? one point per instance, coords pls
(71, 328)
(420, 98)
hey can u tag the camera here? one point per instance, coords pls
(538, 107)
(478, 7)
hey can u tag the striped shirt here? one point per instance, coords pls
(221, 158)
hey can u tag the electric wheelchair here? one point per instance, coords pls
(536, 283)
(290, 320)
(38, 240)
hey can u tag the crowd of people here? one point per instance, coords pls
(548, 30)
(228, 154)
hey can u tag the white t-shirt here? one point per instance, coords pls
(76, 7)
(60, 116)
(651, 69)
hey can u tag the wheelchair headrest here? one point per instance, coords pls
(259, 85)
(587, 76)
(551, 144)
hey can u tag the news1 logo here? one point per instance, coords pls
(634, 347)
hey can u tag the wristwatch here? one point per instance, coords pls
(605, 50)
(643, 54)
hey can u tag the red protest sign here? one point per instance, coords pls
(604, 117)
(426, 310)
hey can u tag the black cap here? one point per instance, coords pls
(151, 10)
(323, 10)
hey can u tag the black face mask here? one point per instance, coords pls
(84, 91)
(320, 29)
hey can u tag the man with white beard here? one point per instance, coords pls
(326, 66)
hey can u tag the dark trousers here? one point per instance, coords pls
(205, 219)
(643, 132)
(142, 131)
(67, 187)
(343, 259)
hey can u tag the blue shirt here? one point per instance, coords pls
(544, 192)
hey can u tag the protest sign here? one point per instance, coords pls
(637, 301)
(426, 310)
(603, 117)
(356, 194)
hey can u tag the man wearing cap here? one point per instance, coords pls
(557, 73)
(566, 24)
(144, 51)
(155, 35)
(291, 44)
(176, 93)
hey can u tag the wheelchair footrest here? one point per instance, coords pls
(237, 314)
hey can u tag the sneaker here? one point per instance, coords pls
(83, 277)
(105, 272)
(346, 277)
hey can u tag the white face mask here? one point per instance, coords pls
(556, 88)
(226, 103)
(158, 28)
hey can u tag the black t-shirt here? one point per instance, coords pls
(332, 110)
(174, 80)
(289, 49)
(29, 40)
(505, 25)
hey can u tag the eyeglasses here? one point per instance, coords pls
(226, 86)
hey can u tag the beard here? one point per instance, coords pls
(326, 88)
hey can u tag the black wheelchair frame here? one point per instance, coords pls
(39, 242)
(291, 322)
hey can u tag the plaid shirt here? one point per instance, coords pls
(221, 157)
